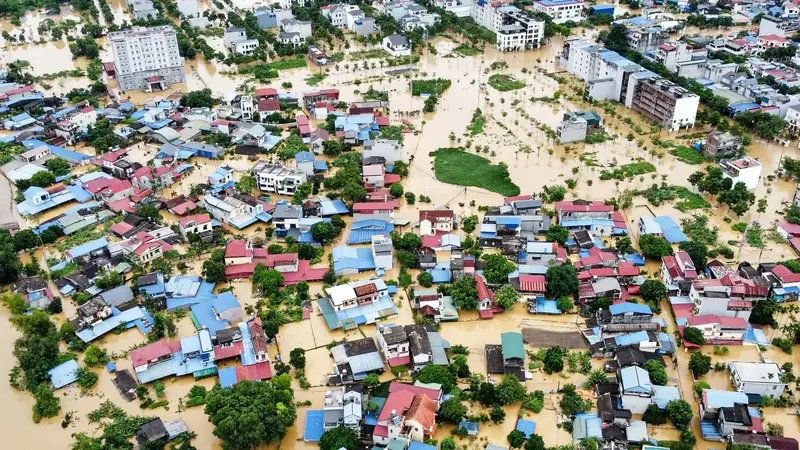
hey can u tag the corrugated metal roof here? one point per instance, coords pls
(513, 346)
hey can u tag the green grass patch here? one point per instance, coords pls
(504, 83)
(628, 171)
(370, 54)
(688, 200)
(402, 60)
(315, 79)
(754, 237)
(687, 155)
(433, 86)
(268, 71)
(595, 138)
(740, 227)
(468, 51)
(477, 123)
(455, 166)
(285, 64)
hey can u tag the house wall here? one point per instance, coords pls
(636, 404)
(773, 390)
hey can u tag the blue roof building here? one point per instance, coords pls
(471, 427)
(672, 232)
(586, 426)
(350, 261)
(441, 273)
(64, 374)
(86, 248)
(630, 308)
(361, 232)
(314, 428)
(527, 427)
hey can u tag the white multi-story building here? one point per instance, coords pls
(276, 178)
(147, 58)
(514, 29)
(560, 10)
(764, 379)
(461, 8)
(382, 251)
(746, 170)
(663, 102)
(338, 13)
(605, 71)
(682, 59)
(237, 42)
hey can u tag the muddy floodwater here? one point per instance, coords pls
(514, 134)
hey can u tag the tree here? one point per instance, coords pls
(617, 39)
(266, 279)
(516, 438)
(564, 304)
(697, 251)
(47, 404)
(654, 246)
(332, 148)
(396, 190)
(658, 374)
(774, 429)
(497, 268)
(372, 381)
(251, 413)
(680, 413)
(452, 410)
(653, 290)
(213, 271)
(411, 198)
(404, 278)
(425, 279)
(42, 178)
(506, 297)
(699, 386)
(557, 233)
(148, 211)
(464, 293)
(469, 223)
(510, 390)
(497, 414)
(354, 192)
(694, 336)
(303, 192)
(408, 241)
(699, 364)
(246, 184)
(535, 442)
(624, 245)
(324, 232)
(94, 355)
(553, 360)
(738, 199)
(108, 280)
(437, 374)
(297, 358)
(58, 166)
(655, 415)
(448, 443)
(596, 377)
(339, 437)
(562, 280)
(37, 350)
(202, 98)
(571, 402)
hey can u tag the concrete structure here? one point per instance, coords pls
(188, 8)
(397, 45)
(514, 29)
(720, 144)
(382, 251)
(771, 25)
(764, 379)
(236, 42)
(272, 18)
(682, 59)
(435, 222)
(745, 170)
(278, 179)
(665, 103)
(560, 10)
(606, 72)
(719, 330)
(577, 125)
(147, 58)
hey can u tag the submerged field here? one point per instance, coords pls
(456, 166)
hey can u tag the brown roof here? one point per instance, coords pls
(423, 410)
(435, 214)
(365, 289)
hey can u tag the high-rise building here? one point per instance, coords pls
(665, 103)
(514, 29)
(147, 58)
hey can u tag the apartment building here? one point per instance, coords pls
(606, 72)
(461, 8)
(664, 102)
(722, 145)
(147, 58)
(780, 26)
(560, 10)
(276, 178)
(515, 30)
(682, 59)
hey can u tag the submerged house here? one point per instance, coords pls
(508, 358)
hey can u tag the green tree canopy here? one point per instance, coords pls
(452, 410)
(653, 290)
(464, 293)
(433, 373)
(497, 268)
(251, 413)
(246, 184)
(562, 280)
(699, 364)
(654, 246)
(324, 232)
(658, 374)
(506, 297)
(557, 233)
(694, 335)
(337, 438)
(213, 271)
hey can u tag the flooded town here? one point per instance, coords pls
(399, 224)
